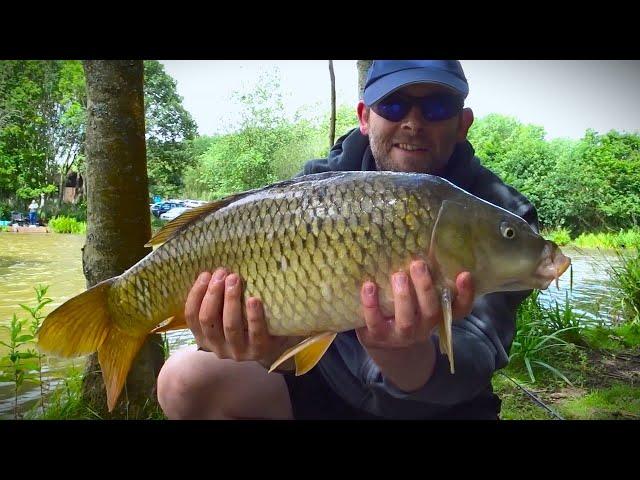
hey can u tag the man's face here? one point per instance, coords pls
(414, 144)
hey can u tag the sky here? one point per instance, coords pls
(565, 97)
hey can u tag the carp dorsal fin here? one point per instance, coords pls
(307, 353)
(178, 224)
(190, 216)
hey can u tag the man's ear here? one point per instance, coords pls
(464, 124)
(363, 117)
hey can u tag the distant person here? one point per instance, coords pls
(33, 213)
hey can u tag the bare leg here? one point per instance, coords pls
(199, 385)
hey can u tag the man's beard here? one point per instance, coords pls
(382, 155)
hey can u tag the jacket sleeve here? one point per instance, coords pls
(481, 345)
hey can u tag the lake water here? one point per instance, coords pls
(55, 260)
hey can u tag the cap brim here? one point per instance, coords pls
(393, 81)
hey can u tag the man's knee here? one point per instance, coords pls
(185, 386)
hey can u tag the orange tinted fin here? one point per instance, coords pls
(177, 322)
(78, 326)
(116, 355)
(307, 353)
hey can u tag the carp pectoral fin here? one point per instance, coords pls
(116, 355)
(177, 322)
(307, 353)
(451, 241)
(446, 338)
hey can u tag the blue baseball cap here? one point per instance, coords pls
(387, 76)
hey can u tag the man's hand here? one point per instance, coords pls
(213, 312)
(401, 345)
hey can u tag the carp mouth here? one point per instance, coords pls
(551, 267)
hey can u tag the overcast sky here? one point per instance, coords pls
(565, 97)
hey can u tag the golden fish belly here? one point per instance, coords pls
(303, 250)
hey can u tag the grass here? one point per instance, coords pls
(622, 239)
(540, 333)
(618, 401)
(626, 279)
(629, 238)
(67, 225)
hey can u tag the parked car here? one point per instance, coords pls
(162, 207)
(173, 213)
(194, 203)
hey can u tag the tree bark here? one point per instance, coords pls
(363, 69)
(332, 120)
(118, 223)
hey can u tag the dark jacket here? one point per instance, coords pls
(481, 341)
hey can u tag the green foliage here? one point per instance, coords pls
(67, 225)
(561, 236)
(42, 128)
(585, 185)
(66, 403)
(169, 128)
(629, 238)
(541, 333)
(77, 211)
(41, 124)
(5, 210)
(619, 401)
(625, 278)
(265, 147)
(21, 364)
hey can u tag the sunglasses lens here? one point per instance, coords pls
(440, 107)
(392, 108)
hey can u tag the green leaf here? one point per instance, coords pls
(28, 309)
(27, 355)
(529, 369)
(554, 370)
(24, 338)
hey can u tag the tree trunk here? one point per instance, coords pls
(118, 223)
(332, 120)
(363, 69)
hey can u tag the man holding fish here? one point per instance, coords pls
(382, 282)
(412, 119)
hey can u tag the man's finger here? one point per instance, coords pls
(210, 315)
(464, 300)
(377, 328)
(258, 332)
(404, 306)
(426, 294)
(232, 322)
(194, 300)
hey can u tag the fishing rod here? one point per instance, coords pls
(533, 397)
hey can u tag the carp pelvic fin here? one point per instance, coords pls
(177, 322)
(307, 353)
(445, 337)
(79, 326)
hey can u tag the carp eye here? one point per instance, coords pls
(507, 230)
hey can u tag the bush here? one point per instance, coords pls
(67, 225)
(561, 236)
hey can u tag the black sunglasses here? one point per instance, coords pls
(434, 108)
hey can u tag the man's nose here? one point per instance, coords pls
(414, 119)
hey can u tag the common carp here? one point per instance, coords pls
(304, 247)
